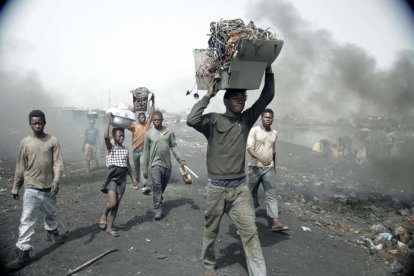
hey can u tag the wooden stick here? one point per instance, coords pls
(72, 271)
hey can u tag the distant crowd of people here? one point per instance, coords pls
(229, 189)
(365, 147)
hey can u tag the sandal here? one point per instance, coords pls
(114, 233)
(135, 187)
(146, 190)
(280, 228)
(102, 224)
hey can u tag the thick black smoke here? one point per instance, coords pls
(19, 94)
(318, 77)
(22, 91)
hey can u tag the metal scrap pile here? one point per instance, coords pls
(224, 36)
(140, 98)
(140, 92)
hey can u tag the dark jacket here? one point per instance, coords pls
(227, 136)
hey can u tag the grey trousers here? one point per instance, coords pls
(136, 155)
(266, 177)
(35, 202)
(237, 203)
(159, 179)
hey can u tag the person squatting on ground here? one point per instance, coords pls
(157, 160)
(39, 168)
(138, 133)
(227, 191)
(261, 146)
(119, 167)
(89, 145)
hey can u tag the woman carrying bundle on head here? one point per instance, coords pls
(119, 167)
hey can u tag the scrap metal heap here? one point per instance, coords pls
(140, 98)
(224, 36)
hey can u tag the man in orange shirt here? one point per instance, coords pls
(138, 131)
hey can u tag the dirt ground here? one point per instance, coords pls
(335, 200)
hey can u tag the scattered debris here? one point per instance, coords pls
(397, 268)
(73, 271)
(304, 228)
(161, 256)
(384, 237)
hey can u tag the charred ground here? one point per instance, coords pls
(338, 201)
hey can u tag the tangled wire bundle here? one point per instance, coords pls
(222, 42)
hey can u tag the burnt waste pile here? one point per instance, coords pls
(369, 205)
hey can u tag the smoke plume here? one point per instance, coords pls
(317, 77)
(20, 93)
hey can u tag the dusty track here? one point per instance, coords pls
(172, 246)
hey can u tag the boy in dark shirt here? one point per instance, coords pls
(227, 191)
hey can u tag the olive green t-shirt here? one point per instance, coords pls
(226, 135)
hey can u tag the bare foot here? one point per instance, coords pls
(276, 223)
(102, 223)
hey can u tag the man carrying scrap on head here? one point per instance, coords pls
(227, 191)
(138, 132)
(261, 146)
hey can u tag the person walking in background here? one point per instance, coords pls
(389, 140)
(364, 139)
(261, 146)
(119, 167)
(345, 146)
(90, 144)
(39, 168)
(138, 132)
(227, 191)
(156, 163)
(325, 147)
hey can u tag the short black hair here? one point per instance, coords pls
(159, 113)
(141, 113)
(268, 110)
(230, 92)
(115, 129)
(37, 113)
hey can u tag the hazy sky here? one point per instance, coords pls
(77, 51)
